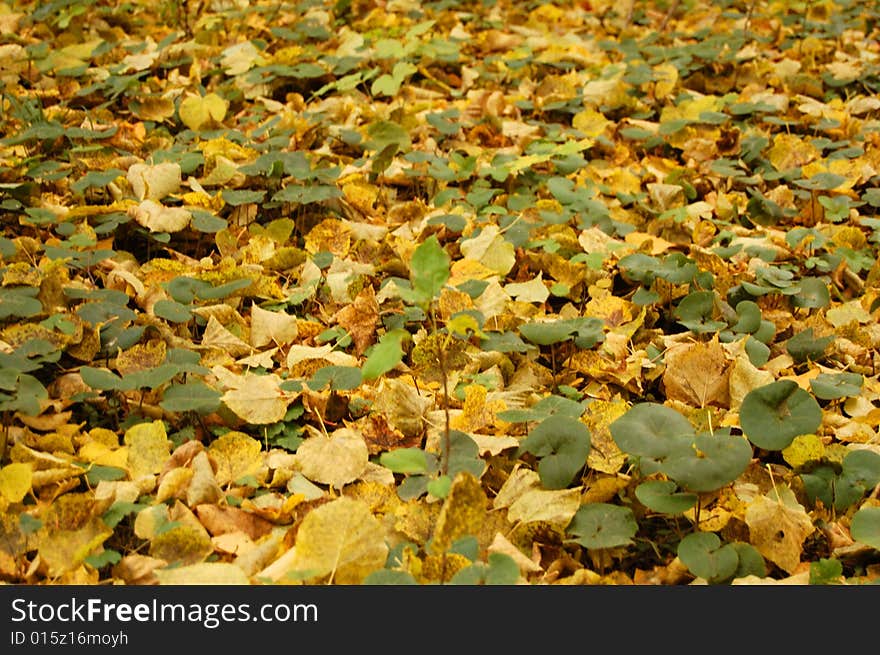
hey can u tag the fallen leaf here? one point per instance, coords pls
(335, 459)
(340, 539)
(778, 526)
(697, 374)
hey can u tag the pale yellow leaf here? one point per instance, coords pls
(218, 336)
(236, 455)
(532, 291)
(518, 483)
(258, 399)
(778, 526)
(556, 507)
(154, 181)
(198, 112)
(15, 481)
(203, 573)
(341, 539)
(335, 460)
(158, 218)
(463, 513)
(148, 448)
(279, 328)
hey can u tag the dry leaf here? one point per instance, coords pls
(340, 539)
(697, 374)
(258, 399)
(462, 514)
(360, 319)
(335, 460)
(778, 526)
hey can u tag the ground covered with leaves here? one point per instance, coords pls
(369, 292)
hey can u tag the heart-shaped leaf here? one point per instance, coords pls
(661, 496)
(830, 386)
(706, 558)
(865, 526)
(602, 525)
(563, 444)
(714, 461)
(773, 415)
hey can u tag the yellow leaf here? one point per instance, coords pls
(745, 376)
(335, 460)
(341, 539)
(789, 151)
(184, 544)
(804, 448)
(279, 328)
(154, 182)
(15, 481)
(555, 507)
(148, 448)
(697, 374)
(491, 249)
(203, 487)
(604, 456)
(590, 122)
(778, 526)
(64, 550)
(236, 455)
(158, 218)
(204, 573)
(174, 484)
(532, 291)
(259, 399)
(198, 112)
(462, 514)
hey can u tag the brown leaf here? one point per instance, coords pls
(778, 526)
(223, 520)
(697, 374)
(380, 435)
(360, 318)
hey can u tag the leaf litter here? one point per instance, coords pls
(442, 292)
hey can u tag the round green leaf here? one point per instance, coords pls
(405, 460)
(661, 496)
(562, 443)
(751, 562)
(865, 526)
(193, 396)
(862, 466)
(773, 415)
(706, 558)
(601, 525)
(749, 317)
(830, 386)
(812, 293)
(714, 461)
(652, 432)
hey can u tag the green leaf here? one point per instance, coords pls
(751, 562)
(101, 378)
(19, 302)
(602, 525)
(464, 455)
(194, 396)
(171, 310)
(563, 444)
(773, 415)
(339, 378)
(385, 355)
(547, 406)
(652, 432)
(813, 293)
(830, 386)
(103, 559)
(661, 496)
(97, 473)
(695, 312)
(119, 510)
(429, 269)
(865, 526)
(714, 461)
(405, 460)
(501, 569)
(804, 347)
(826, 571)
(706, 558)
(749, 317)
